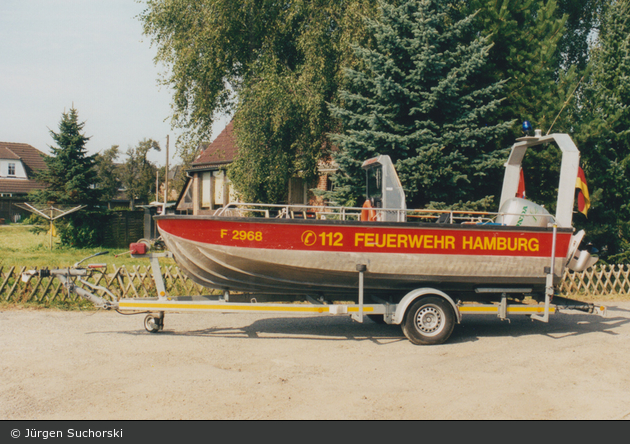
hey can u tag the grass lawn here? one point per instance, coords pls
(21, 248)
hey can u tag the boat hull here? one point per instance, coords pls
(320, 257)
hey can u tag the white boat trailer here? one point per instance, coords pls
(426, 315)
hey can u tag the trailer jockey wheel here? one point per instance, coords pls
(153, 324)
(429, 321)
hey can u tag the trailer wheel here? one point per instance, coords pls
(153, 324)
(429, 321)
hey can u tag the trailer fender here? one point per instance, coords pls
(418, 293)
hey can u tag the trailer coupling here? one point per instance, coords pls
(66, 275)
(571, 304)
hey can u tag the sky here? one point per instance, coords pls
(90, 54)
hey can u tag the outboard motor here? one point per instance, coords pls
(580, 260)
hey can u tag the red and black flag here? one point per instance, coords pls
(584, 201)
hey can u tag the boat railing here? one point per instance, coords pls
(323, 212)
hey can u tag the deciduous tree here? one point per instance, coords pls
(276, 64)
(108, 173)
(138, 172)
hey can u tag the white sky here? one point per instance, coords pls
(90, 53)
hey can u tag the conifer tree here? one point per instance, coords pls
(526, 36)
(72, 179)
(604, 136)
(528, 55)
(70, 175)
(416, 97)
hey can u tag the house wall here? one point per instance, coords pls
(206, 192)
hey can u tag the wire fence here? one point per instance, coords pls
(137, 282)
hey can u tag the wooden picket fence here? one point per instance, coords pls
(601, 280)
(137, 282)
(123, 282)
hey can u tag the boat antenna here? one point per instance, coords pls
(563, 106)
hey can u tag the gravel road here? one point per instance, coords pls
(101, 365)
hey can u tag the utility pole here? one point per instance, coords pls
(166, 179)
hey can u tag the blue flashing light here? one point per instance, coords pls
(527, 127)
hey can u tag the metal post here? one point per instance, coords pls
(549, 284)
(51, 226)
(361, 268)
(157, 276)
(166, 179)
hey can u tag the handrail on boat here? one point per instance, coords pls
(289, 211)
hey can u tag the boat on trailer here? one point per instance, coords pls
(422, 269)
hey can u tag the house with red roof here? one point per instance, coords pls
(18, 164)
(208, 187)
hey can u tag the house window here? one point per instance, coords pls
(11, 169)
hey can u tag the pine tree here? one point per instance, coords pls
(72, 179)
(416, 97)
(70, 175)
(526, 37)
(604, 136)
(528, 53)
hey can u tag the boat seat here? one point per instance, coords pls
(444, 218)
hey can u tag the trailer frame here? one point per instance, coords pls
(427, 315)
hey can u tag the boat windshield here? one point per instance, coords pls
(374, 185)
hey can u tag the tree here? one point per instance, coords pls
(70, 176)
(107, 173)
(416, 97)
(582, 21)
(604, 135)
(529, 53)
(525, 53)
(71, 179)
(138, 177)
(276, 63)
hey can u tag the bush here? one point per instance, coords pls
(83, 229)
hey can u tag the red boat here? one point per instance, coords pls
(318, 250)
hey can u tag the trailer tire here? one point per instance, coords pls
(428, 321)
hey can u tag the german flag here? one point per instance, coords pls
(584, 202)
